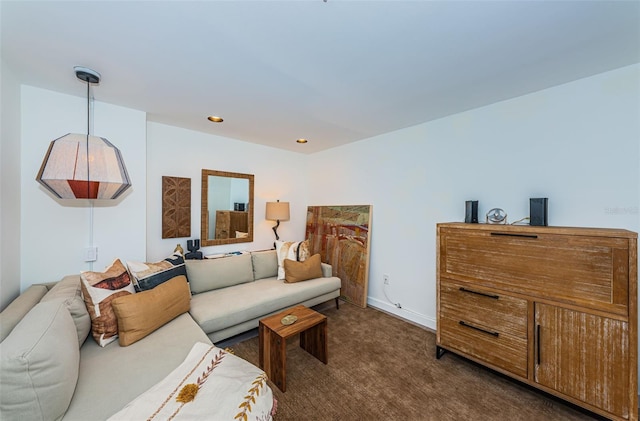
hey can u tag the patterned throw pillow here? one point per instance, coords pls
(146, 276)
(99, 289)
(298, 251)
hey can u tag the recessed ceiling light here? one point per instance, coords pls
(215, 119)
(302, 140)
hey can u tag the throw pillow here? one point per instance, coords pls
(69, 290)
(298, 251)
(240, 234)
(99, 290)
(149, 275)
(302, 271)
(39, 362)
(142, 313)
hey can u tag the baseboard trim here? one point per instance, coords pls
(403, 313)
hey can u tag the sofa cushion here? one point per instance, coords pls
(298, 251)
(69, 290)
(39, 363)
(302, 271)
(142, 313)
(209, 274)
(14, 312)
(265, 264)
(99, 289)
(149, 275)
(219, 309)
(103, 371)
(222, 387)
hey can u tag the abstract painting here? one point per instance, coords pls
(341, 235)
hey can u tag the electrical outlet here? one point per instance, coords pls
(385, 277)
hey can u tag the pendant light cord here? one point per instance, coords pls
(88, 130)
(89, 178)
(91, 231)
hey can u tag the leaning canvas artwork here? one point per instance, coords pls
(341, 235)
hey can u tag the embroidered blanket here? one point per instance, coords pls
(210, 384)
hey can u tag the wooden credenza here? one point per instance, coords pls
(553, 307)
(230, 222)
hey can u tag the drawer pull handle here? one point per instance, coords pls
(465, 324)
(510, 234)
(484, 294)
(538, 344)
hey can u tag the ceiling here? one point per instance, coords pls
(331, 71)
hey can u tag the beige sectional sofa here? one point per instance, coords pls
(231, 294)
(51, 368)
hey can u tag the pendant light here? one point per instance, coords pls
(79, 166)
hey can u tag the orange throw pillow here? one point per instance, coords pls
(142, 313)
(302, 271)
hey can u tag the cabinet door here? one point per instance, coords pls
(583, 356)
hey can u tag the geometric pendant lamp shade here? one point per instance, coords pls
(68, 174)
(81, 166)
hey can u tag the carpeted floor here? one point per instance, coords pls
(383, 368)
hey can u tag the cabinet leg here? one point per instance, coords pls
(440, 352)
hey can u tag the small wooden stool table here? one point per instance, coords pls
(312, 327)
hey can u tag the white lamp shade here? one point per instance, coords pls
(68, 174)
(277, 211)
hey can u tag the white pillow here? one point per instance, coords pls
(39, 361)
(298, 251)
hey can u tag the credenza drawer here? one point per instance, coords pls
(501, 350)
(481, 307)
(583, 270)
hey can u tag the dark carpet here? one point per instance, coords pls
(383, 368)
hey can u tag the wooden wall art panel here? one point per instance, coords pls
(341, 234)
(176, 207)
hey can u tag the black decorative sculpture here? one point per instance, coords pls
(193, 246)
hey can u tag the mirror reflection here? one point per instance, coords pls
(227, 208)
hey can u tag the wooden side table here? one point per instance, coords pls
(312, 327)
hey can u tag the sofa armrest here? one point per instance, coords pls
(19, 307)
(327, 270)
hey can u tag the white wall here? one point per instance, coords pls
(9, 193)
(177, 152)
(577, 144)
(54, 233)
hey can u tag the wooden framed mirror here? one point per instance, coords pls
(226, 208)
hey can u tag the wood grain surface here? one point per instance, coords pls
(555, 307)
